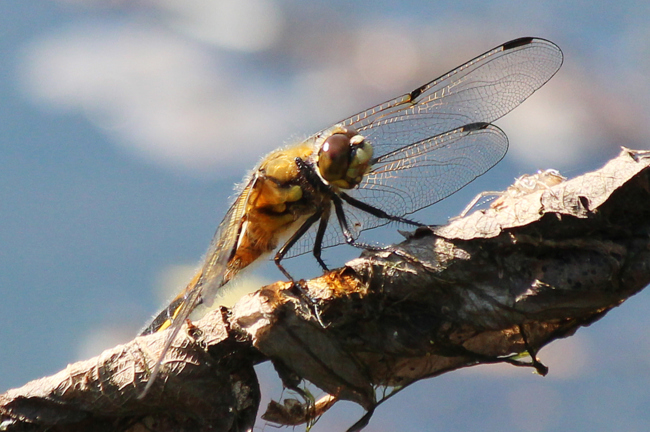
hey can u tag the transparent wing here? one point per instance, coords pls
(423, 151)
(205, 283)
(210, 277)
(482, 90)
(223, 244)
(416, 176)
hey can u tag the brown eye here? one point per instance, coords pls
(334, 157)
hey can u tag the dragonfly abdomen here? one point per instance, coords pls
(166, 317)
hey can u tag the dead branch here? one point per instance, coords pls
(482, 289)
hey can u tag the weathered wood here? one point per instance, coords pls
(499, 282)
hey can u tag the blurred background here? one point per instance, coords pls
(124, 125)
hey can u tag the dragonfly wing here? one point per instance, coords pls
(416, 176)
(424, 150)
(482, 90)
(224, 244)
(209, 278)
(424, 146)
(423, 173)
(206, 283)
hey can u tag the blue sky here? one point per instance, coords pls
(126, 124)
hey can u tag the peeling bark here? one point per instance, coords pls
(486, 288)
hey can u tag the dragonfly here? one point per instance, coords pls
(373, 168)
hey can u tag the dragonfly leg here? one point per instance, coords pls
(294, 238)
(343, 222)
(375, 211)
(318, 242)
(285, 248)
(312, 181)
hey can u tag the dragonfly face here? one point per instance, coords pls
(343, 157)
(375, 167)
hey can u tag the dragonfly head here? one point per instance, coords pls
(344, 158)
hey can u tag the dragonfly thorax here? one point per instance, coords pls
(344, 157)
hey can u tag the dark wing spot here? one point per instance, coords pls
(475, 126)
(517, 43)
(416, 93)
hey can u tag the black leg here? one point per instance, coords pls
(336, 197)
(318, 243)
(343, 222)
(292, 241)
(375, 211)
(285, 248)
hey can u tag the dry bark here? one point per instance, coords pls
(503, 281)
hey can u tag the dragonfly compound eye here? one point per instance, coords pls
(334, 157)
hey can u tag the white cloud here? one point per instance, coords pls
(156, 95)
(242, 25)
